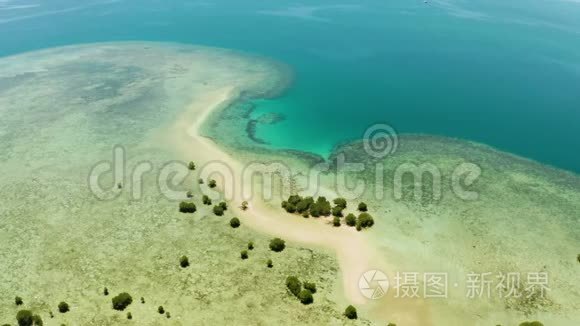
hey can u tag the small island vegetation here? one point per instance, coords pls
(122, 301)
(187, 207)
(277, 244)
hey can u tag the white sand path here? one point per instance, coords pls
(354, 253)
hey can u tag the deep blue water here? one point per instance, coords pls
(504, 73)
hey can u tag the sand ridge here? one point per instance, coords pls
(353, 250)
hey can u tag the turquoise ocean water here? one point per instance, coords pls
(504, 73)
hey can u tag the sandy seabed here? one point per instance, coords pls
(63, 110)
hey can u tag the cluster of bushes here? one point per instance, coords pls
(220, 208)
(211, 183)
(365, 220)
(162, 311)
(187, 207)
(206, 200)
(26, 318)
(301, 291)
(307, 206)
(120, 303)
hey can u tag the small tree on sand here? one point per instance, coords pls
(235, 222)
(350, 312)
(121, 301)
(63, 307)
(277, 244)
(293, 285)
(187, 207)
(184, 261)
(362, 207)
(305, 296)
(211, 183)
(350, 220)
(218, 210)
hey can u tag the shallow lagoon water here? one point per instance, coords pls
(534, 76)
(503, 74)
(62, 112)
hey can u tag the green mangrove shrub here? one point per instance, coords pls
(218, 210)
(350, 219)
(184, 261)
(365, 220)
(63, 307)
(307, 206)
(277, 244)
(211, 183)
(235, 222)
(187, 207)
(26, 318)
(340, 202)
(305, 297)
(37, 320)
(122, 301)
(293, 285)
(362, 207)
(310, 287)
(350, 312)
